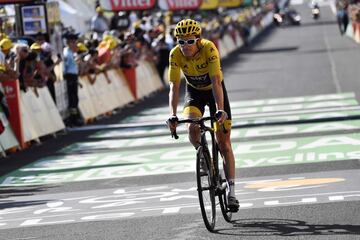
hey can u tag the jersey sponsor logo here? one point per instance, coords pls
(212, 58)
(212, 49)
(199, 81)
(173, 64)
(202, 66)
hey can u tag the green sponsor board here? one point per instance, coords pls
(303, 99)
(294, 107)
(83, 167)
(271, 109)
(236, 133)
(237, 121)
(264, 102)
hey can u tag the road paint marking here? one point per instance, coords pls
(171, 210)
(309, 200)
(336, 198)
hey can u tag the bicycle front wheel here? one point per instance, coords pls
(223, 201)
(206, 192)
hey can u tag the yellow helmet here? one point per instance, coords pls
(6, 44)
(35, 46)
(81, 47)
(187, 27)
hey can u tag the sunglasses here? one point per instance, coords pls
(187, 42)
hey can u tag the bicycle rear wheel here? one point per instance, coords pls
(206, 192)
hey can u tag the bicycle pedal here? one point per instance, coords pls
(233, 209)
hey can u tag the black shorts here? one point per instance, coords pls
(196, 100)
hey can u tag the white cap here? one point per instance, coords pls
(46, 47)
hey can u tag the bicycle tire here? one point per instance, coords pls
(206, 193)
(223, 190)
(227, 214)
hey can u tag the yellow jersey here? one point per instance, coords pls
(197, 70)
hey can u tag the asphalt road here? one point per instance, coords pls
(295, 180)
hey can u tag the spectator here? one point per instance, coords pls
(99, 22)
(46, 55)
(162, 50)
(6, 73)
(22, 52)
(71, 77)
(120, 21)
(342, 15)
(82, 51)
(40, 76)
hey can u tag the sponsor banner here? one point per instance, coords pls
(127, 5)
(230, 3)
(294, 107)
(237, 122)
(276, 101)
(267, 102)
(68, 168)
(209, 4)
(259, 111)
(12, 93)
(175, 5)
(165, 140)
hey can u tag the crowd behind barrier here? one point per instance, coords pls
(114, 69)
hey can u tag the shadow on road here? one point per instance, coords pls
(286, 227)
(271, 50)
(7, 192)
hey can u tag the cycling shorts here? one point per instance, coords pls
(196, 100)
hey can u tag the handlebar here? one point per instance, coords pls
(199, 121)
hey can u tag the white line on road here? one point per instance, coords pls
(332, 63)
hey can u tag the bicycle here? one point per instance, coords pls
(212, 182)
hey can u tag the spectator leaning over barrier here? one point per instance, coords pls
(22, 52)
(40, 68)
(71, 76)
(6, 72)
(99, 22)
(162, 50)
(82, 51)
(46, 56)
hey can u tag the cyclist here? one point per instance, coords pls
(199, 61)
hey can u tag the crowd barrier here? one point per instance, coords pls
(40, 116)
(7, 138)
(108, 92)
(98, 95)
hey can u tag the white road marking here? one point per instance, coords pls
(336, 198)
(333, 65)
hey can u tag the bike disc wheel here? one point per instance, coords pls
(206, 192)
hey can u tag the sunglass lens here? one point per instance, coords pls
(181, 42)
(191, 41)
